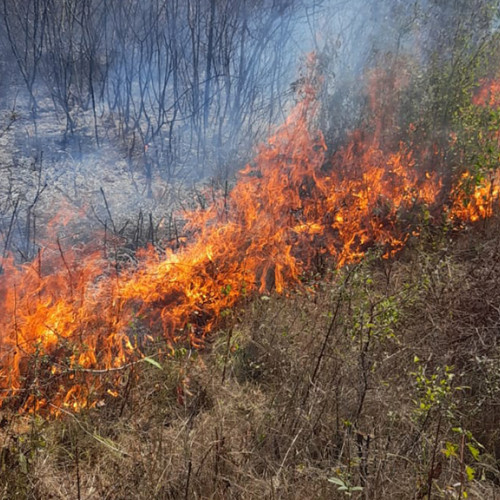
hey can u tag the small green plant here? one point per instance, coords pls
(345, 486)
(468, 448)
(433, 390)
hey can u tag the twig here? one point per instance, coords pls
(330, 331)
(65, 265)
(462, 475)
(77, 466)
(292, 444)
(226, 355)
(128, 387)
(107, 209)
(434, 451)
(188, 479)
(9, 231)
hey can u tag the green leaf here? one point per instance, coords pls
(470, 472)
(23, 463)
(337, 481)
(451, 450)
(474, 451)
(153, 362)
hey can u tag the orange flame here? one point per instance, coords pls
(488, 93)
(473, 201)
(69, 318)
(477, 196)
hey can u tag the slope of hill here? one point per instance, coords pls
(376, 381)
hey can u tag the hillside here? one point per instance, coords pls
(249, 249)
(381, 376)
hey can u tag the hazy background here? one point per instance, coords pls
(121, 107)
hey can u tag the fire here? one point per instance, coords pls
(69, 317)
(477, 193)
(473, 200)
(488, 94)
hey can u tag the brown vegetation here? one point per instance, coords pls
(382, 376)
(373, 374)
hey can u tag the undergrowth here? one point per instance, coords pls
(377, 381)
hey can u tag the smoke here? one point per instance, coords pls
(141, 100)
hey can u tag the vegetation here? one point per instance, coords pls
(377, 379)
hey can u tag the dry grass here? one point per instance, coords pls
(383, 375)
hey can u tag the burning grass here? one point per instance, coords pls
(383, 375)
(70, 317)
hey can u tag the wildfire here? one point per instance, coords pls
(473, 200)
(477, 195)
(488, 94)
(66, 318)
